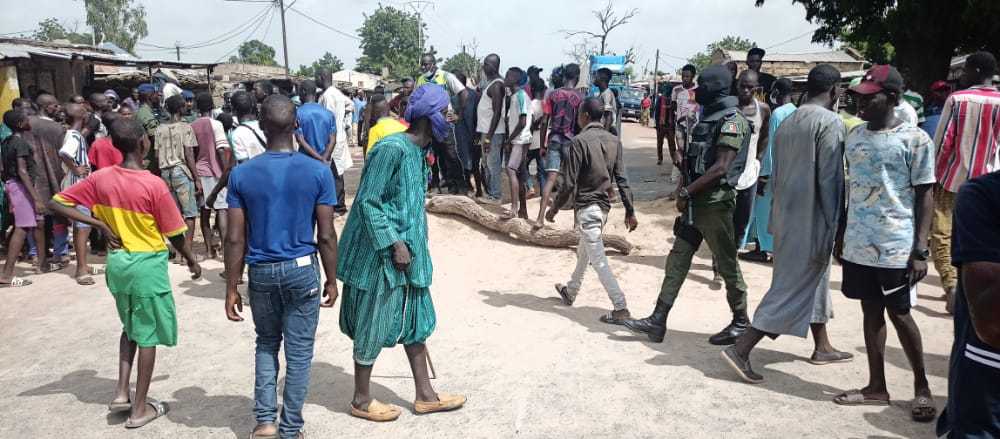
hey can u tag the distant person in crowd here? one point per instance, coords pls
(191, 111)
(849, 114)
(385, 264)
(518, 142)
(882, 245)
(146, 116)
(126, 112)
(536, 121)
(733, 67)
(686, 113)
(46, 136)
(213, 159)
(114, 98)
(759, 115)
(398, 103)
(755, 60)
(249, 141)
(595, 162)
(338, 103)
(446, 150)
(288, 194)
(93, 128)
(470, 151)
(168, 86)
(175, 145)
(317, 128)
(804, 219)
(558, 131)
(912, 97)
(967, 141)
(661, 114)
(646, 104)
(135, 210)
(603, 81)
(939, 94)
(102, 153)
(385, 124)
(359, 108)
(492, 126)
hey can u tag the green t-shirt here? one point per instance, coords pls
(731, 134)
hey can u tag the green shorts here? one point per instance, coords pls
(149, 321)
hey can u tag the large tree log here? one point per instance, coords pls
(518, 228)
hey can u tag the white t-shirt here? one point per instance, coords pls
(905, 112)
(247, 138)
(610, 105)
(520, 105)
(537, 113)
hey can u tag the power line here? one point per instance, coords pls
(260, 16)
(245, 39)
(323, 24)
(790, 40)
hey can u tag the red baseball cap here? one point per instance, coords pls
(884, 77)
(940, 84)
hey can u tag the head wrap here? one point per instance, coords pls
(713, 84)
(146, 87)
(429, 100)
(112, 94)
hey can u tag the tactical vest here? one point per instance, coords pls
(701, 149)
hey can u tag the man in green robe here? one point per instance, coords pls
(384, 261)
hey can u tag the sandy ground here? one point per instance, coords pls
(530, 366)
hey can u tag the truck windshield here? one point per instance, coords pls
(618, 79)
(632, 94)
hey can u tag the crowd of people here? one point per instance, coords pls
(882, 187)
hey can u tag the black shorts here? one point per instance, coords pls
(870, 283)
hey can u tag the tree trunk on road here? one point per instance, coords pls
(519, 229)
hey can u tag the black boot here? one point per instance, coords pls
(730, 333)
(654, 326)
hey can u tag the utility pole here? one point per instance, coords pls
(284, 37)
(656, 73)
(177, 47)
(418, 7)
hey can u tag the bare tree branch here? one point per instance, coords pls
(609, 21)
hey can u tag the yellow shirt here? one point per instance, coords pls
(385, 126)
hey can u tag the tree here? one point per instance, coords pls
(701, 60)
(609, 20)
(924, 34)
(466, 63)
(581, 51)
(327, 60)
(255, 52)
(390, 39)
(51, 29)
(121, 22)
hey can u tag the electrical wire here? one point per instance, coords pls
(790, 40)
(324, 24)
(247, 38)
(258, 17)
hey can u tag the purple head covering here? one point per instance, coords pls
(429, 100)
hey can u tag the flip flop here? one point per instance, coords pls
(819, 358)
(611, 320)
(16, 282)
(117, 407)
(161, 409)
(507, 215)
(563, 291)
(756, 256)
(855, 397)
(377, 412)
(85, 280)
(922, 409)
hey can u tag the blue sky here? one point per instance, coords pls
(522, 32)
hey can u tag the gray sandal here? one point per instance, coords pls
(161, 409)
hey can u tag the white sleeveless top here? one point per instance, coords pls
(484, 112)
(752, 170)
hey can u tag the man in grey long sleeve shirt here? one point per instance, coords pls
(595, 160)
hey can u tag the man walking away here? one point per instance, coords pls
(883, 242)
(968, 145)
(277, 202)
(805, 215)
(557, 132)
(317, 131)
(595, 160)
(337, 102)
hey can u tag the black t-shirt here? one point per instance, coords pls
(95, 126)
(12, 148)
(974, 378)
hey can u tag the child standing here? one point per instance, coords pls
(19, 181)
(134, 210)
(74, 157)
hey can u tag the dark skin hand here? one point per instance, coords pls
(114, 242)
(235, 242)
(710, 180)
(916, 269)
(400, 256)
(29, 185)
(326, 238)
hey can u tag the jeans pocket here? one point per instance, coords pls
(261, 304)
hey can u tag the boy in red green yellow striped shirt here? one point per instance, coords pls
(135, 210)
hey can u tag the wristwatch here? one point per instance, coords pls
(922, 253)
(684, 193)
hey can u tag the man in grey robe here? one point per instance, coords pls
(808, 182)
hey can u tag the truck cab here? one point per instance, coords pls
(630, 99)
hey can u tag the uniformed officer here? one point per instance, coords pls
(713, 164)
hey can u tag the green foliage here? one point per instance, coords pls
(703, 59)
(51, 29)
(255, 52)
(468, 64)
(390, 39)
(122, 22)
(327, 60)
(630, 72)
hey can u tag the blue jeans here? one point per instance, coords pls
(284, 299)
(494, 166)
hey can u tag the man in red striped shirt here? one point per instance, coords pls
(968, 145)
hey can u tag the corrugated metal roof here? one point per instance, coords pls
(836, 56)
(86, 53)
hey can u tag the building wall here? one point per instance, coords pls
(785, 68)
(9, 87)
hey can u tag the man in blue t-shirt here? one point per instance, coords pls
(974, 375)
(276, 203)
(317, 132)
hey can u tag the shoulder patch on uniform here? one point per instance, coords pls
(730, 127)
